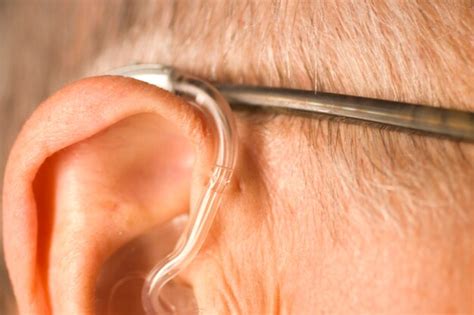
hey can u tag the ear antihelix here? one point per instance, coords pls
(219, 117)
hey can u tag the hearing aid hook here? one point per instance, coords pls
(209, 101)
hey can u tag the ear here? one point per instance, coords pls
(97, 164)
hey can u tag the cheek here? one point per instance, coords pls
(419, 273)
(382, 273)
(255, 263)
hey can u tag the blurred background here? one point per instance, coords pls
(45, 44)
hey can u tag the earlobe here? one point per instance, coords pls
(95, 165)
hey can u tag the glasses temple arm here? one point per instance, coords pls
(441, 121)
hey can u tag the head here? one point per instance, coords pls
(322, 215)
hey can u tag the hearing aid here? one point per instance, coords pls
(219, 117)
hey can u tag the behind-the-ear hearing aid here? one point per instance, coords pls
(219, 117)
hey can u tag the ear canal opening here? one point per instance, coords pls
(123, 275)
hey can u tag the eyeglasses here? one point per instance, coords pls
(445, 122)
(437, 121)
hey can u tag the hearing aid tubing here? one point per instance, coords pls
(209, 101)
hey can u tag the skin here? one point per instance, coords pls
(322, 216)
(262, 264)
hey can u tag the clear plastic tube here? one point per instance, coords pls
(214, 106)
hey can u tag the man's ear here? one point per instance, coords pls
(98, 163)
